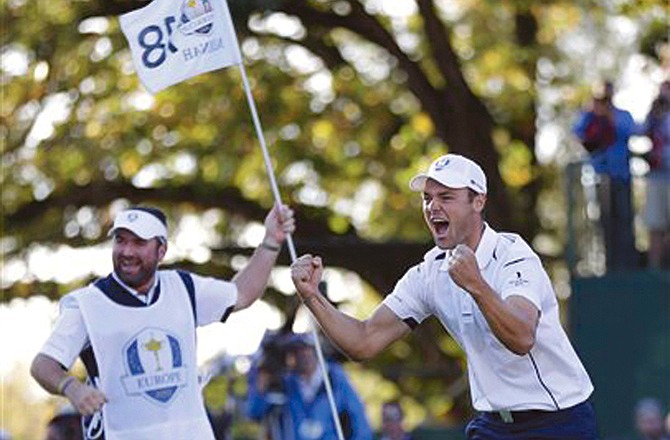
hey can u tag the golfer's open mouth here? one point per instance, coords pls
(440, 226)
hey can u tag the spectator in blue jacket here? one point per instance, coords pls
(604, 130)
(295, 406)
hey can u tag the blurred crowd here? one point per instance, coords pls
(604, 130)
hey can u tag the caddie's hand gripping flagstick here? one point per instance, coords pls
(173, 40)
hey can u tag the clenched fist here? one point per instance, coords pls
(464, 269)
(306, 273)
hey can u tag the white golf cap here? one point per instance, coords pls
(453, 171)
(145, 223)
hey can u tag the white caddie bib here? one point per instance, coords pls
(146, 358)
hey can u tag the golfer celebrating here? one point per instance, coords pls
(491, 293)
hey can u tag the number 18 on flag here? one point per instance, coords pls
(173, 40)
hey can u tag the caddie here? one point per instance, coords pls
(135, 332)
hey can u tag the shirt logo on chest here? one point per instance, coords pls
(518, 281)
(154, 365)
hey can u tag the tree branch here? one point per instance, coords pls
(367, 27)
(201, 194)
(438, 39)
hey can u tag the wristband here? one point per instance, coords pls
(66, 382)
(270, 247)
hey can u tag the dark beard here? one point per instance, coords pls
(138, 279)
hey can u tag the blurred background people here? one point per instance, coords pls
(604, 131)
(66, 425)
(287, 393)
(649, 420)
(657, 212)
(392, 422)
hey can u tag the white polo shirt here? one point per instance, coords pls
(549, 377)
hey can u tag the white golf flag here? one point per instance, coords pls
(173, 40)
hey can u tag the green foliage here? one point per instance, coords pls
(655, 40)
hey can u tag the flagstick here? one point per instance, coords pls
(289, 242)
(264, 148)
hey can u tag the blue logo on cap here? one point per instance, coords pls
(477, 184)
(441, 163)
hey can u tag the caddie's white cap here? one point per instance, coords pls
(146, 223)
(453, 171)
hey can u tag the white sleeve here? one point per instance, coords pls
(214, 299)
(68, 337)
(407, 300)
(523, 276)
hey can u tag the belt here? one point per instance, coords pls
(506, 416)
(516, 416)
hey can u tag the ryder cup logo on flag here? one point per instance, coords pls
(173, 40)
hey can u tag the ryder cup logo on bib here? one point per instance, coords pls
(154, 366)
